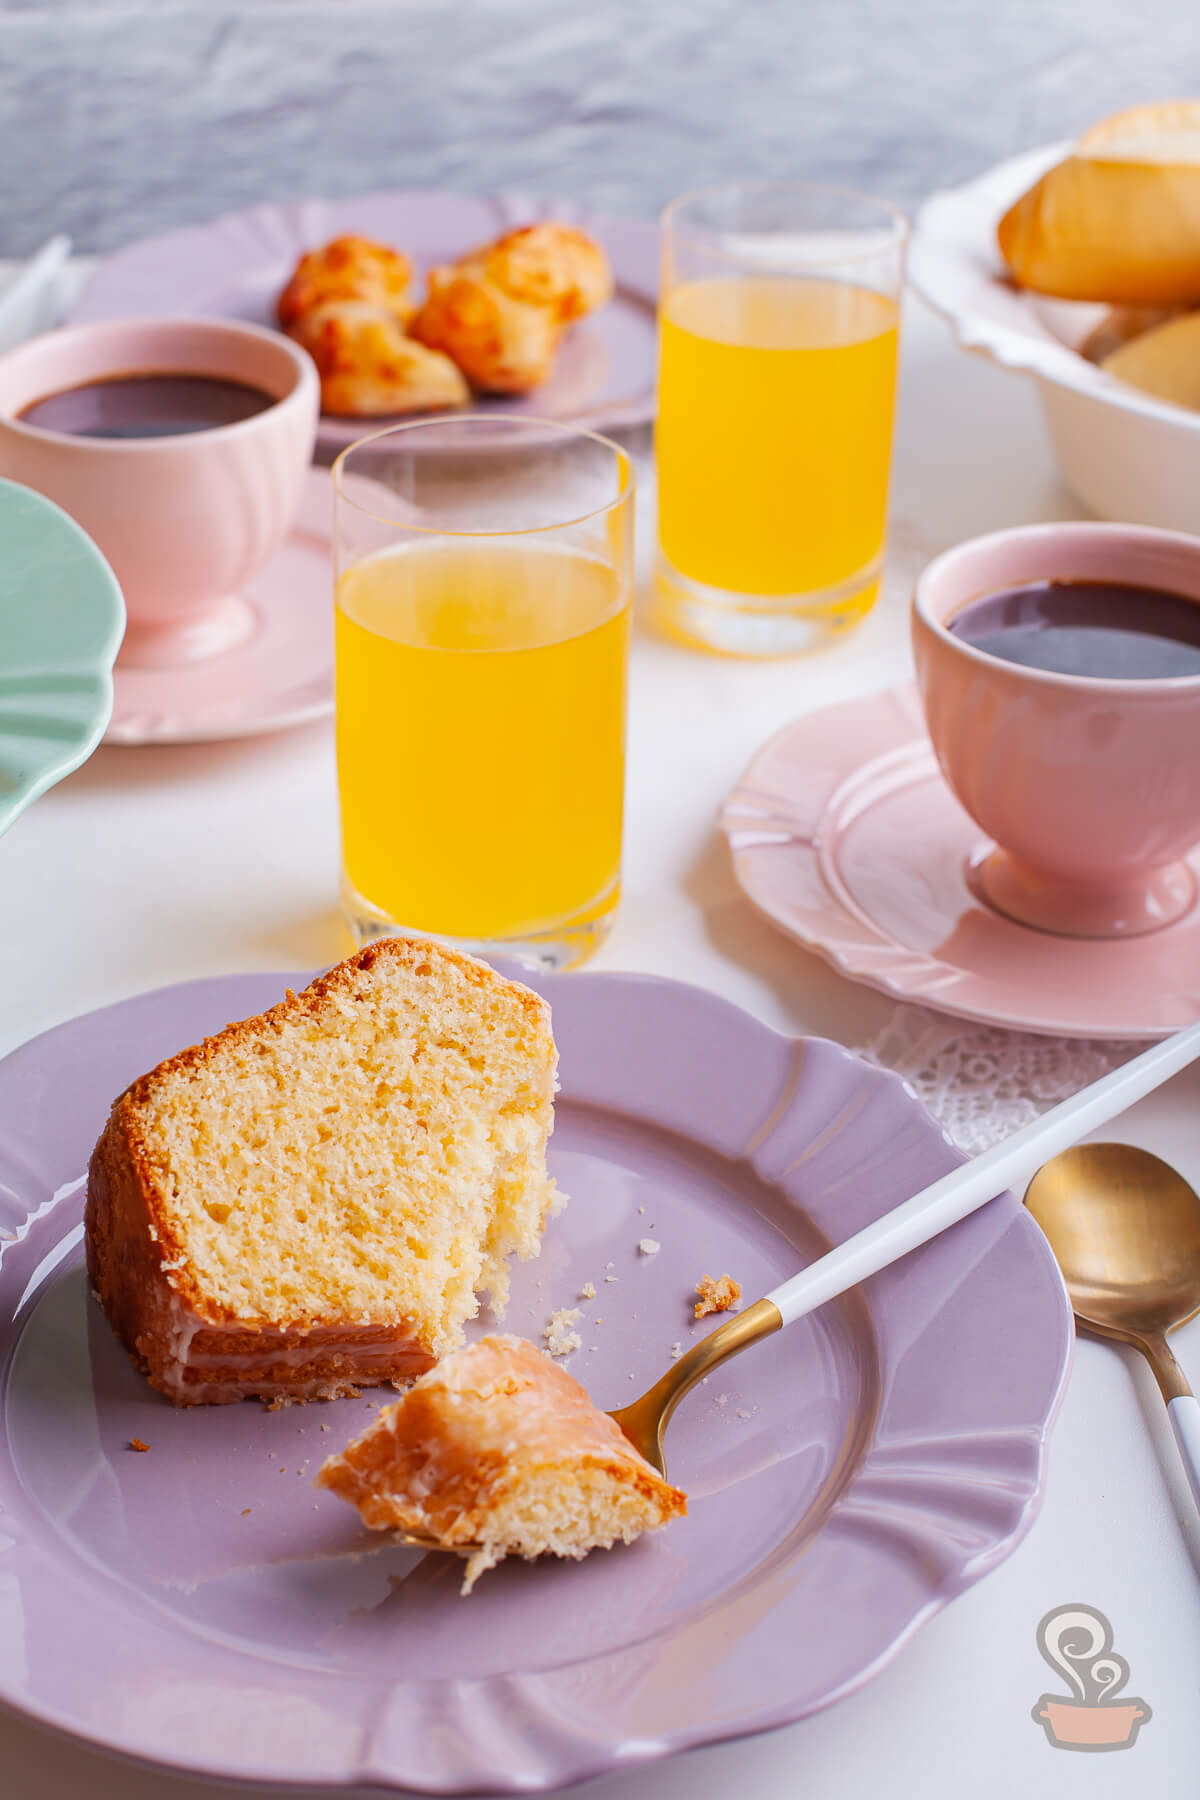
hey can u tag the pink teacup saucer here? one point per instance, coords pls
(281, 675)
(845, 835)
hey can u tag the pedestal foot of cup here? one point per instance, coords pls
(1074, 909)
(562, 944)
(222, 627)
(760, 625)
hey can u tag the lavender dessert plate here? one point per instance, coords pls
(234, 267)
(199, 1605)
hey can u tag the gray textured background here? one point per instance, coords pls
(120, 117)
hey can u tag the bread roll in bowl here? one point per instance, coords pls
(1119, 219)
(1164, 361)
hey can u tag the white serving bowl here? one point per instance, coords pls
(1124, 454)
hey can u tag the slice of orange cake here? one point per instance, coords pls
(314, 1199)
(499, 1452)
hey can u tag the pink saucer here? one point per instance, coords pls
(282, 675)
(845, 835)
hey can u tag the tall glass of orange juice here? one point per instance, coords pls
(482, 606)
(778, 317)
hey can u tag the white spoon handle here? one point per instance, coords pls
(1184, 1414)
(966, 1189)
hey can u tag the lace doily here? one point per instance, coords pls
(982, 1083)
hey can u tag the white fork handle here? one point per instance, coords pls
(966, 1189)
(1184, 1414)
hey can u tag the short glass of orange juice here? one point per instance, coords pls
(483, 569)
(779, 317)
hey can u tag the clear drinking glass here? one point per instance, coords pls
(779, 317)
(483, 582)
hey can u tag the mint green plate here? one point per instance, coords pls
(61, 623)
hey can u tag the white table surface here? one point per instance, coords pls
(150, 866)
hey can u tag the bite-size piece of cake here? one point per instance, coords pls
(314, 1199)
(498, 1449)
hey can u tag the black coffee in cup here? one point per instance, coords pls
(1106, 630)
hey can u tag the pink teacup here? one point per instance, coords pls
(186, 521)
(1090, 788)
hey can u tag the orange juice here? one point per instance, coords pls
(776, 396)
(480, 734)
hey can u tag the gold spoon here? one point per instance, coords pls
(1125, 1229)
(883, 1242)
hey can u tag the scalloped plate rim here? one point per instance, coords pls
(100, 658)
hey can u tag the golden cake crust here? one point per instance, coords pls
(190, 1348)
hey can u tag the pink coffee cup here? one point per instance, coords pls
(1089, 788)
(186, 522)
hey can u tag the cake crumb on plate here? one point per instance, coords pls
(588, 1291)
(137, 1444)
(561, 1340)
(649, 1246)
(716, 1294)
